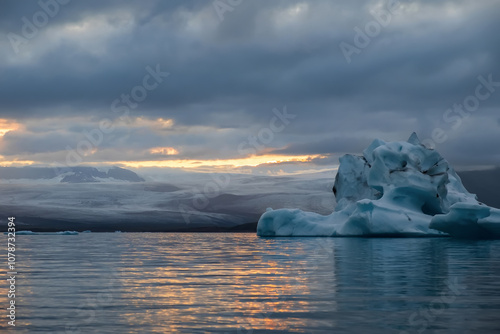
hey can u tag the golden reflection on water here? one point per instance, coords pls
(228, 290)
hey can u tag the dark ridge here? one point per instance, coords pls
(36, 224)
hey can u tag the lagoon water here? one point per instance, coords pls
(240, 283)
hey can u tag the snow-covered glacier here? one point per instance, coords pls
(393, 189)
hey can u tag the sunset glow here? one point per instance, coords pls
(15, 163)
(163, 151)
(7, 125)
(245, 162)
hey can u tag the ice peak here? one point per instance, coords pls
(414, 139)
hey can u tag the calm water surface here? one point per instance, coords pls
(240, 283)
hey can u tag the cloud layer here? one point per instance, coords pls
(229, 67)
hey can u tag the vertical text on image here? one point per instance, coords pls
(11, 264)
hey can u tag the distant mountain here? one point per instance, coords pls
(70, 174)
(83, 175)
(485, 184)
(124, 174)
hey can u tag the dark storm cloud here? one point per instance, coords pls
(264, 54)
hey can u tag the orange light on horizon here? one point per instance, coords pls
(15, 163)
(243, 162)
(183, 163)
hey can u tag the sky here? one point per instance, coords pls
(267, 86)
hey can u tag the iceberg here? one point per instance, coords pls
(47, 233)
(394, 189)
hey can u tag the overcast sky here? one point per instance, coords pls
(185, 83)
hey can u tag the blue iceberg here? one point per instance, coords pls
(401, 189)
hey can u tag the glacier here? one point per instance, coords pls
(394, 189)
(168, 201)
